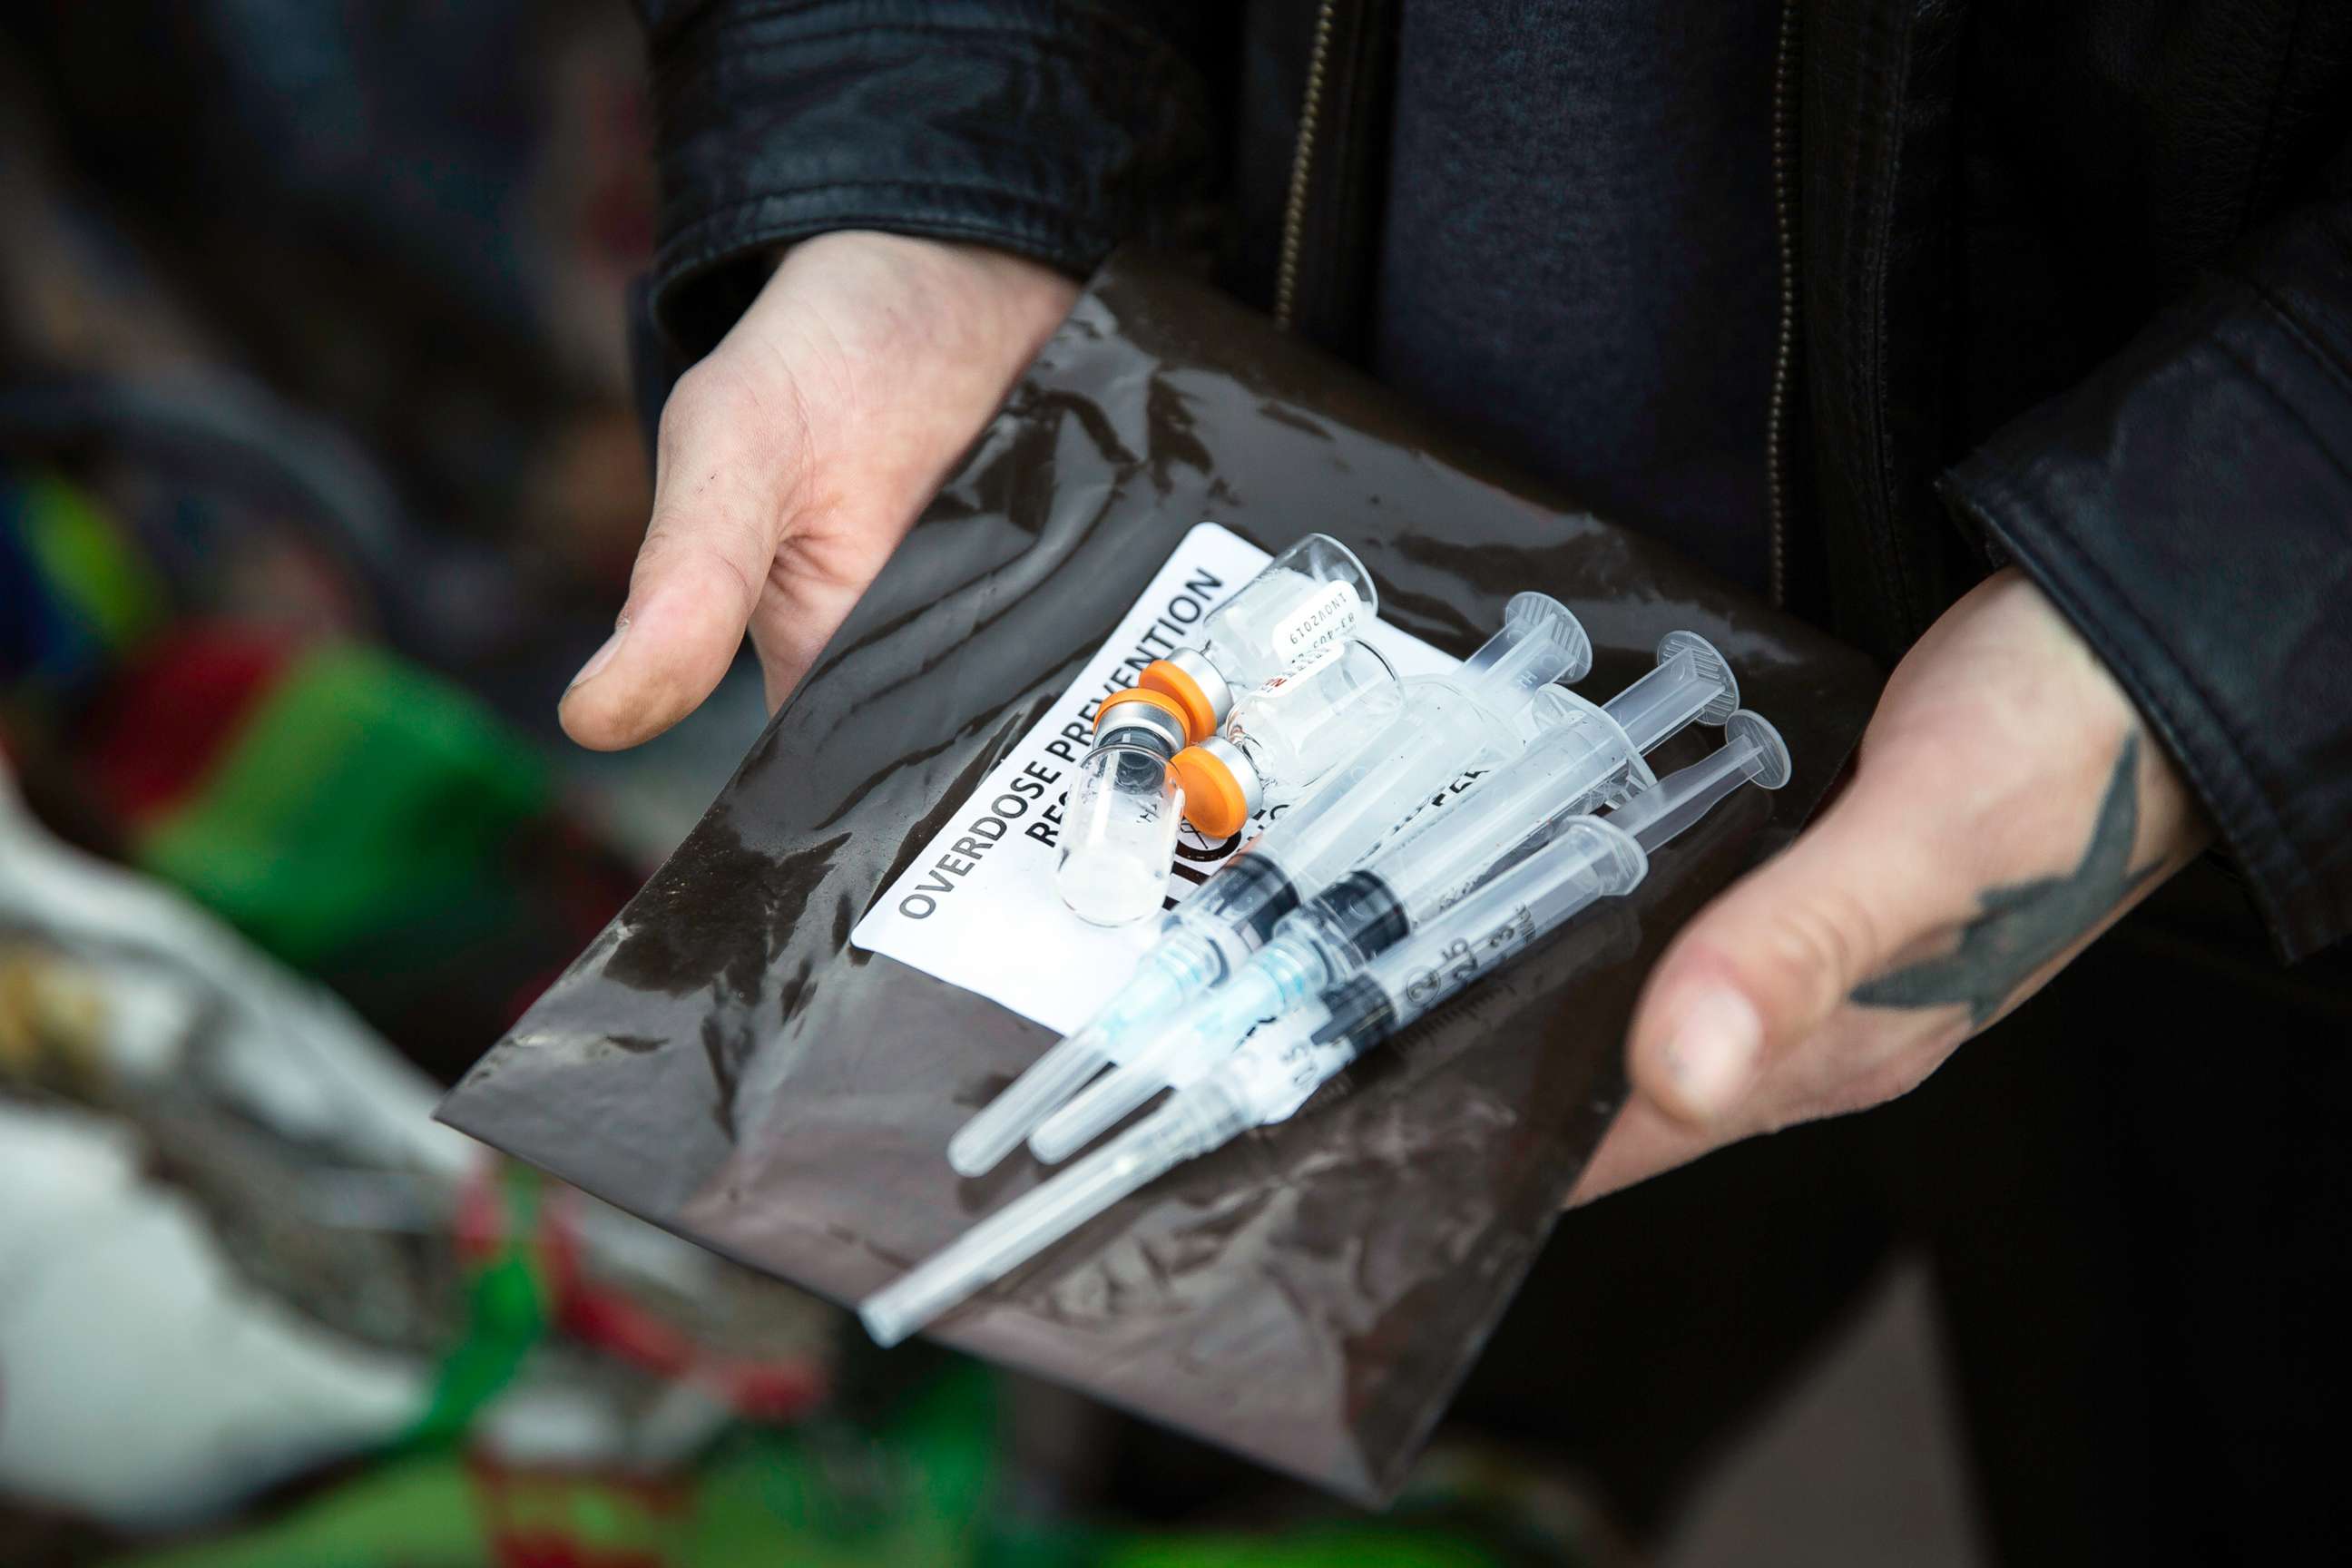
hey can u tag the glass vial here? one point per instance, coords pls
(1119, 834)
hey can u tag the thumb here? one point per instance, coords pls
(1763, 967)
(731, 452)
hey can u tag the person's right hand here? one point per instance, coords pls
(794, 459)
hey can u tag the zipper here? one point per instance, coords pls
(1777, 455)
(1302, 168)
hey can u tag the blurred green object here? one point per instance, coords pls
(101, 581)
(362, 797)
(918, 1491)
(414, 1514)
(921, 1490)
(507, 1315)
(75, 593)
(914, 1494)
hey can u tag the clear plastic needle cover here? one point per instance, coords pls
(1181, 967)
(1022, 1229)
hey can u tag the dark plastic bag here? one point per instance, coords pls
(722, 1062)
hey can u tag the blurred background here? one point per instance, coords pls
(320, 473)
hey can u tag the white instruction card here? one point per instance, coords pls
(976, 907)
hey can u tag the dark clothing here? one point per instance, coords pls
(1051, 131)
(2137, 1243)
(2075, 287)
(2070, 283)
(1577, 257)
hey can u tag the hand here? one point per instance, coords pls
(793, 459)
(2006, 806)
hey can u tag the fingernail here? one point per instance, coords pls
(603, 656)
(1712, 1052)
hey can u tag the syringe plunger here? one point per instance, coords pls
(1692, 683)
(1752, 748)
(1540, 642)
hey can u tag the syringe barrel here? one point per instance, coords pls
(1360, 802)
(1752, 748)
(1234, 912)
(1577, 762)
(1588, 859)
(1277, 1068)
(1286, 973)
(1692, 683)
(1540, 642)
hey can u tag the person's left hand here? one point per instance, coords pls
(2006, 804)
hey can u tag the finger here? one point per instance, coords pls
(1767, 964)
(732, 450)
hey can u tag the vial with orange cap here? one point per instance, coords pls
(1287, 734)
(1119, 829)
(1310, 595)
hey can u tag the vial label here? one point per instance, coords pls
(1331, 612)
(1299, 678)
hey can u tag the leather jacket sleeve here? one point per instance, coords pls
(1051, 127)
(2188, 508)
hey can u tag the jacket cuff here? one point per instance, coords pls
(1053, 130)
(2188, 509)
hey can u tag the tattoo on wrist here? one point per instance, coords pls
(2025, 925)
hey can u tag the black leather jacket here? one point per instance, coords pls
(2070, 284)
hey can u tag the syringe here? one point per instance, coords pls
(1448, 722)
(1591, 858)
(1281, 1065)
(1586, 758)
